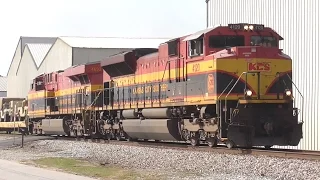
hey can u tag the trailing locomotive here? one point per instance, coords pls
(227, 84)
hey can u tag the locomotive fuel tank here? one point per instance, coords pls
(157, 113)
(157, 129)
(55, 127)
(130, 114)
(156, 123)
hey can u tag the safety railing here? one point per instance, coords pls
(218, 106)
(294, 99)
(225, 99)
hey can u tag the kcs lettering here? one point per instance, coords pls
(260, 66)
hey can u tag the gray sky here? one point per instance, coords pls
(121, 18)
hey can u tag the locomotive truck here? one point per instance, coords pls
(226, 84)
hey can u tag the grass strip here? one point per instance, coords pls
(86, 168)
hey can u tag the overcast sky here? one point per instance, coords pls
(129, 18)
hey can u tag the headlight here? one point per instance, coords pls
(246, 27)
(248, 92)
(251, 27)
(288, 92)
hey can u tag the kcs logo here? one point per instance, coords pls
(260, 66)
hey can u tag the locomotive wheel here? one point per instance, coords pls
(76, 134)
(107, 137)
(131, 139)
(229, 144)
(212, 142)
(118, 136)
(194, 141)
(83, 135)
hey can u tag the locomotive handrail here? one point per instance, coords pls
(164, 71)
(95, 99)
(225, 99)
(302, 106)
(218, 108)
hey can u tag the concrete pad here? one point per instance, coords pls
(11, 170)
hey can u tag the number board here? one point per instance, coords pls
(258, 27)
(236, 26)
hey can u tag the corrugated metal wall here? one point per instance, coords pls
(26, 72)
(13, 89)
(3, 93)
(58, 58)
(298, 23)
(11, 84)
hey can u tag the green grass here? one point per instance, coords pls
(86, 168)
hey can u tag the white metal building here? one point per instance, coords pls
(298, 23)
(24, 64)
(3, 86)
(37, 55)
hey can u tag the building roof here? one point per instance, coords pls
(30, 40)
(35, 40)
(39, 51)
(40, 46)
(113, 42)
(3, 83)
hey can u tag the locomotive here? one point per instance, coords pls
(226, 84)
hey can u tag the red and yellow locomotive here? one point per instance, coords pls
(228, 84)
(57, 99)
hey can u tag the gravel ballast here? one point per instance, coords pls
(175, 164)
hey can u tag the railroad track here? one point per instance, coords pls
(273, 152)
(281, 153)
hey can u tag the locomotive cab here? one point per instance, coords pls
(218, 38)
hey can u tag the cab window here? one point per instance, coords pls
(196, 47)
(226, 41)
(266, 41)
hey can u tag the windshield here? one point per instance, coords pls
(224, 41)
(266, 41)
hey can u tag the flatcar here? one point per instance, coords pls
(226, 84)
(13, 113)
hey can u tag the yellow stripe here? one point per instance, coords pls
(236, 66)
(156, 75)
(69, 91)
(35, 113)
(13, 124)
(40, 94)
(64, 92)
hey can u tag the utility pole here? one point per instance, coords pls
(207, 2)
(14, 123)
